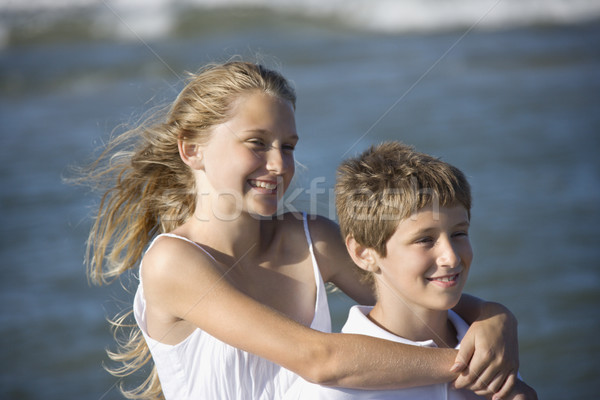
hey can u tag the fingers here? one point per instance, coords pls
(465, 353)
(480, 384)
(497, 383)
(485, 379)
(520, 391)
(489, 387)
(506, 388)
(489, 380)
(481, 369)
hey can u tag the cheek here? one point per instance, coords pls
(290, 170)
(467, 254)
(409, 264)
(290, 162)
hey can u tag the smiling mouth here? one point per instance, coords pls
(450, 278)
(262, 184)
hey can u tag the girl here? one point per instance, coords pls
(231, 301)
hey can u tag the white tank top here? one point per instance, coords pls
(203, 367)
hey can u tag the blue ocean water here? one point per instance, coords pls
(511, 101)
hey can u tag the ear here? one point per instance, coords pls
(362, 256)
(191, 154)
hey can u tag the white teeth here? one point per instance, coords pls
(265, 185)
(446, 279)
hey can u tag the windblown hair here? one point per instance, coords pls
(388, 183)
(148, 189)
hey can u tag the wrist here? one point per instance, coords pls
(489, 309)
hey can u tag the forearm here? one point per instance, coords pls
(472, 308)
(363, 362)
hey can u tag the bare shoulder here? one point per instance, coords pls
(170, 255)
(328, 245)
(334, 261)
(290, 223)
(172, 264)
(322, 229)
(289, 231)
(324, 232)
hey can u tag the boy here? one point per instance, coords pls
(405, 219)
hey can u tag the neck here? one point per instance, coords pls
(242, 235)
(413, 322)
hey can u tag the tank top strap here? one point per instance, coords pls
(184, 239)
(322, 319)
(310, 249)
(176, 237)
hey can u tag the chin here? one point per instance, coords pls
(447, 303)
(452, 303)
(263, 212)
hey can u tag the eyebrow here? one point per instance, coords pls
(426, 231)
(292, 136)
(462, 224)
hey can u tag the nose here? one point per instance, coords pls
(448, 256)
(277, 160)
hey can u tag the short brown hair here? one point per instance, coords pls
(388, 183)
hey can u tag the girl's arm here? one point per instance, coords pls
(488, 354)
(183, 284)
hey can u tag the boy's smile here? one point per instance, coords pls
(445, 281)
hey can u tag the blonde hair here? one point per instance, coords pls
(150, 189)
(388, 183)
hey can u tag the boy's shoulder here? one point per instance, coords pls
(359, 323)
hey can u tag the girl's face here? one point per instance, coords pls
(249, 159)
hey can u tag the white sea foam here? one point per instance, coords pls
(154, 18)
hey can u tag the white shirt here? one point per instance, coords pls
(358, 323)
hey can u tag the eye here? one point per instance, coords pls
(288, 147)
(460, 234)
(426, 241)
(256, 142)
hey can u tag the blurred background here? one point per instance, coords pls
(507, 90)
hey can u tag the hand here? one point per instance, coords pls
(521, 391)
(489, 353)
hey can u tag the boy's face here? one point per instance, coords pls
(428, 259)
